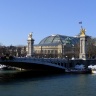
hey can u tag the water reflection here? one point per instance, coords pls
(7, 76)
(10, 76)
(29, 84)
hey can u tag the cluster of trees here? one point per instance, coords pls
(7, 57)
(91, 48)
(13, 50)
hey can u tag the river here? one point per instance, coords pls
(17, 84)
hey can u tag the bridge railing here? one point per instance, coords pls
(55, 61)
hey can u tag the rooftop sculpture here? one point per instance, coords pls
(82, 32)
(30, 36)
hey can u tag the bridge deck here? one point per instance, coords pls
(41, 64)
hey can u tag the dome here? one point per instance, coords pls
(58, 39)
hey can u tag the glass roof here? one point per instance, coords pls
(58, 39)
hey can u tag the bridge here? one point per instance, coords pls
(37, 64)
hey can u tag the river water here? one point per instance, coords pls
(17, 84)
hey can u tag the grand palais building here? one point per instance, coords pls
(57, 46)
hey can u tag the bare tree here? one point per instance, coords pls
(91, 47)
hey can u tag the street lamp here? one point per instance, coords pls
(66, 56)
(67, 62)
(73, 51)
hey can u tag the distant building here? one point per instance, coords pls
(56, 46)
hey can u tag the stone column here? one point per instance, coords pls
(30, 46)
(83, 50)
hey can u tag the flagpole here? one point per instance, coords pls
(81, 24)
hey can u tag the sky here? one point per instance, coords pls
(43, 18)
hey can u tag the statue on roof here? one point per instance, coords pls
(82, 32)
(30, 35)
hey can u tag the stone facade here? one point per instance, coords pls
(56, 46)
